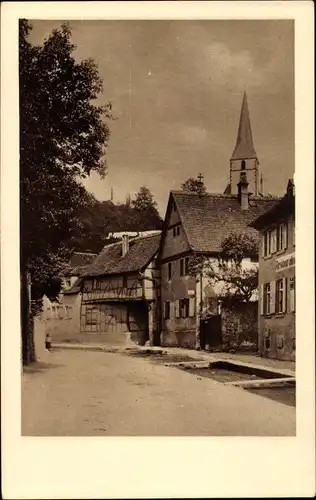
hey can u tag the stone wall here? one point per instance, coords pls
(240, 326)
(185, 338)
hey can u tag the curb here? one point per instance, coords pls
(205, 359)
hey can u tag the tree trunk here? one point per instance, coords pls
(27, 323)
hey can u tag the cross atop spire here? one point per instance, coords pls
(244, 148)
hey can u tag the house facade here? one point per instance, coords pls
(62, 317)
(277, 279)
(120, 292)
(196, 225)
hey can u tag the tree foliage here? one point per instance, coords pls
(145, 208)
(101, 218)
(193, 185)
(236, 282)
(63, 137)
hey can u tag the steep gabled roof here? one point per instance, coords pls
(283, 208)
(244, 148)
(110, 261)
(208, 219)
(79, 261)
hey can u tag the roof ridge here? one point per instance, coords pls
(145, 236)
(85, 253)
(226, 195)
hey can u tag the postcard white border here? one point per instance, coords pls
(158, 467)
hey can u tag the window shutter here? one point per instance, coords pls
(292, 295)
(262, 244)
(272, 297)
(273, 241)
(177, 306)
(284, 235)
(284, 295)
(170, 309)
(191, 307)
(261, 300)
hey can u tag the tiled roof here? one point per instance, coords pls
(208, 219)
(79, 261)
(110, 260)
(282, 208)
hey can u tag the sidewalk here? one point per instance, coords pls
(284, 367)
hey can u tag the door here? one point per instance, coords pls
(211, 332)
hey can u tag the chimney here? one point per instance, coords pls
(125, 244)
(243, 194)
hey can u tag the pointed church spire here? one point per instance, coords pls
(244, 148)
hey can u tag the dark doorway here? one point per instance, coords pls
(211, 331)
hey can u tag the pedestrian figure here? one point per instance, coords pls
(48, 342)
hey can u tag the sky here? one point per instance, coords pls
(176, 88)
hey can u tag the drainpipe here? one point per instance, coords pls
(198, 322)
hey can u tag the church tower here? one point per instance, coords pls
(244, 158)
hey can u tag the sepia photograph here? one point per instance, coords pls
(157, 227)
(160, 200)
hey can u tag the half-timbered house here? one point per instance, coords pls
(120, 292)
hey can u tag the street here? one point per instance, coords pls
(86, 393)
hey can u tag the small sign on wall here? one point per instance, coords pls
(285, 262)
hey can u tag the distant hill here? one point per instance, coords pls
(101, 218)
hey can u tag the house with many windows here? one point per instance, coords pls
(277, 278)
(196, 225)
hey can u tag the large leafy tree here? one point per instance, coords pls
(63, 137)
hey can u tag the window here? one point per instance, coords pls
(184, 305)
(272, 241)
(186, 265)
(282, 236)
(265, 244)
(243, 165)
(176, 231)
(91, 316)
(167, 310)
(267, 341)
(269, 242)
(169, 270)
(280, 296)
(124, 282)
(266, 298)
(292, 294)
(181, 267)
